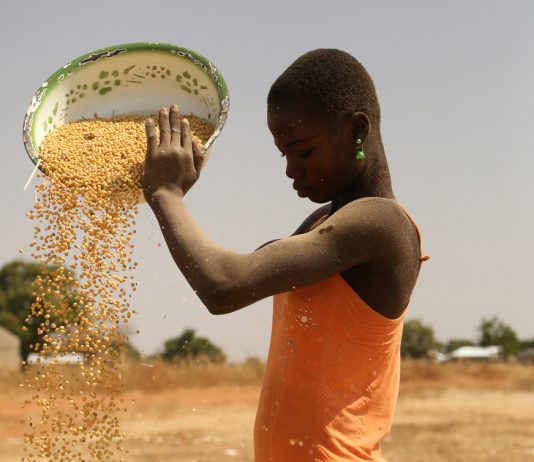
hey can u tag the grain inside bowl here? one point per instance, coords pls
(103, 157)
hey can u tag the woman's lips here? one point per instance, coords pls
(302, 192)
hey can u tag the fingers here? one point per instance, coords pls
(164, 127)
(198, 157)
(186, 133)
(187, 140)
(176, 130)
(151, 139)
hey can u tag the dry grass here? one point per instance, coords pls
(421, 375)
(154, 375)
(158, 375)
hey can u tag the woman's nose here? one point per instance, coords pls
(293, 169)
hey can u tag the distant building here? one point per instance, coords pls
(9, 350)
(71, 357)
(486, 353)
(65, 358)
(437, 356)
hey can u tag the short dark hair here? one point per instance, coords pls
(331, 81)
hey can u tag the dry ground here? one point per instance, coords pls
(445, 413)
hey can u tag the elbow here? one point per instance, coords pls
(224, 300)
(215, 307)
(217, 310)
(228, 287)
(211, 302)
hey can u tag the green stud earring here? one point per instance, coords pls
(360, 155)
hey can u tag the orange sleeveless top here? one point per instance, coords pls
(331, 379)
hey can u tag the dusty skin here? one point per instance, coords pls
(446, 413)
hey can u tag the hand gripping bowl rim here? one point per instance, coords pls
(203, 63)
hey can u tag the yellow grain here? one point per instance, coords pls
(85, 210)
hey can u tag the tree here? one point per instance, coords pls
(494, 332)
(524, 344)
(131, 352)
(417, 339)
(16, 299)
(189, 346)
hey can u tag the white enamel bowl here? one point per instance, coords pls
(129, 79)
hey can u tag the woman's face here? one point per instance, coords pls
(319, 160)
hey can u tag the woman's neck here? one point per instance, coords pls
(374, 180)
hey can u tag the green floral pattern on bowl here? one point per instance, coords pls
(129, 79)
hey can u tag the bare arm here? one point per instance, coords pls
(224, 280)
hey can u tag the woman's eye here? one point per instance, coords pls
(303, 154)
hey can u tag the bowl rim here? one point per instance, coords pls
(107, 52)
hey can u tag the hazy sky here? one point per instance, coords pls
(455, 83)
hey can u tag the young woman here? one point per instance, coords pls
(341, 282)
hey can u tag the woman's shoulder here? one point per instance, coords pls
(379, 211)
(384, 218)
(380, 204)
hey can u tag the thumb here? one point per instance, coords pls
(198, 158)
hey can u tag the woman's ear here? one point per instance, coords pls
(361, 125)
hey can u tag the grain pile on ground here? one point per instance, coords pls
(85, 212)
